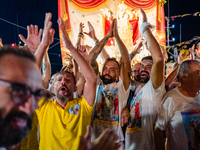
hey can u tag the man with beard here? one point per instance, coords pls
(113, 82)
(143, 106)
(63, 121)
(21, 90)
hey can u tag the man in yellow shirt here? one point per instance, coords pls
(63, 121)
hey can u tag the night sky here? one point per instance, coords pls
(26, 12)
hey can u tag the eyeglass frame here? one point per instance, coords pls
(11, 84)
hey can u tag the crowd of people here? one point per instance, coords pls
(79, 108)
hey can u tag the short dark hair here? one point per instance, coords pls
(17, 52)
(147, 57)
(112, 59)
(72, 74)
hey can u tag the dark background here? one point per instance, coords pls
(26, 12)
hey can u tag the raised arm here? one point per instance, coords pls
(34, 36)
(126, 66)
(157, 71)
(80, 34)
(92, 35)
(170, 78)
(46, 71)
(89, 74)
(136, 50)
(47, 39)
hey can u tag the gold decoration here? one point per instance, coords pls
(64, 16)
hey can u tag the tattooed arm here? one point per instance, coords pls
(96, 51)
(104, 55)
(99, 47)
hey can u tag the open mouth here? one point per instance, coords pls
(63, 88)
(19, 123)
(144, 74)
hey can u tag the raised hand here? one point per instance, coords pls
(47, 39)
(115, 28)
(110, 32)
(82, 50)
(81, 26)
(144, 16)
(33, 39)
(179, 57)
(48, 33)
(66, 40)
(91, 32)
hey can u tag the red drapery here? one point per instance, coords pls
(145, 4)
(136, 30)
(88, 4)
(63, 12)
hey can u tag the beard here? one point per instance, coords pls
(63, 98)
(12, 135)
(106, 80)
(137, 78)
(144, 79)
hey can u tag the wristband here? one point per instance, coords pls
(146, 26)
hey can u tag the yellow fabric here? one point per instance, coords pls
(31, 142)
(60, 129)
(185, 53)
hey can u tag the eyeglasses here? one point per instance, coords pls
(20, 93)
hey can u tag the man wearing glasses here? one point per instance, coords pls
(21, 90)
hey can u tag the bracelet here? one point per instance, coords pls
(96, 42)
(146, 26)
(80, 35)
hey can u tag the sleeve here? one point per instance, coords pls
(165, 113)
(31, 141)
(87, 107)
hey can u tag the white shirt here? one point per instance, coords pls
(110, 100)
(180, 115)
(143, 110)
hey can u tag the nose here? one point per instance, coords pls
(29, 106)
(107, 71)
(63, 81)
(144, 68)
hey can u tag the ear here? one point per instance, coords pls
(75, 88)
(183, 76)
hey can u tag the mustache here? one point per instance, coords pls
(63, 86)
(144, 71)
(106, 75)
(20, 114)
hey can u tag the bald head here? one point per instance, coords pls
(135, 71)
